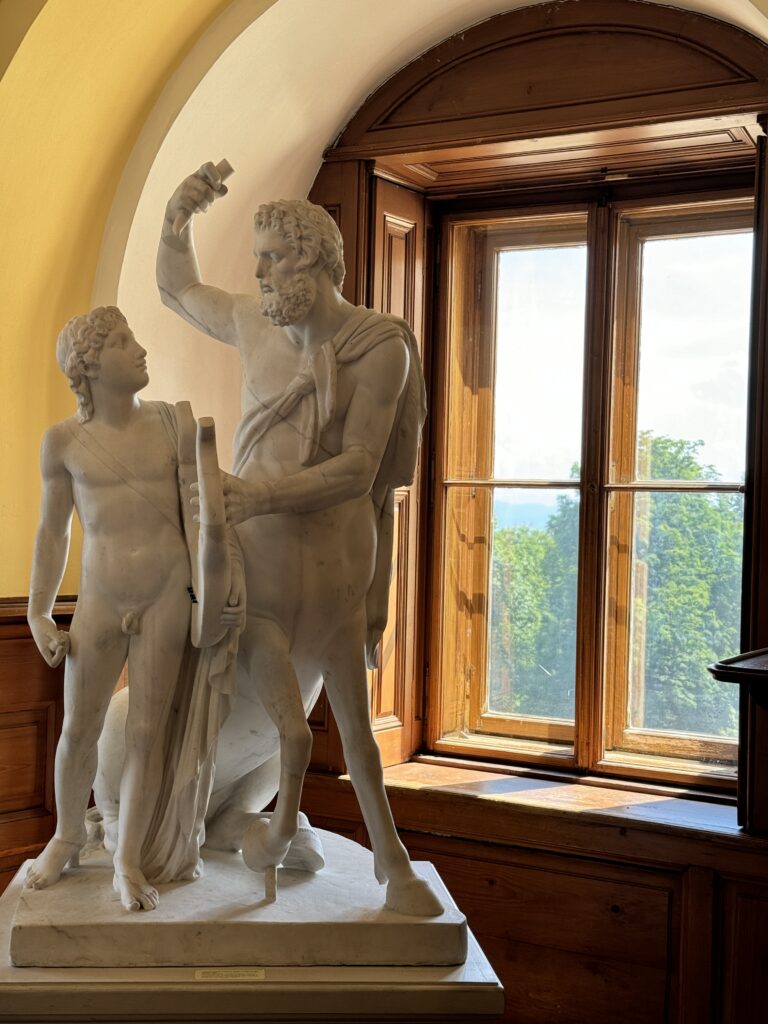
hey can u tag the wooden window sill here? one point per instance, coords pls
(668, 829)
(651, 806)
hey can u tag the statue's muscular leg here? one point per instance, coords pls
(274, 678)
(154, 659)
(347, 687)
(93, 666)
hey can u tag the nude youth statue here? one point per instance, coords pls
(333, 403)
(115, 462)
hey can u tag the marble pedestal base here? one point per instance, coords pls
(469, 991)
(334, 917)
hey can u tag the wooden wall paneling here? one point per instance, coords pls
(573, 941)
(695, 983)
(397, 287)
(31, 714)
(744, 952)
(343, 189)
(618, 62)
(23, 757)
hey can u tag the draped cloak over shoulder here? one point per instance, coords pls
(314, 390)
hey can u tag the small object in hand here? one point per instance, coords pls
(225, 169)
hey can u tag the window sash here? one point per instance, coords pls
(466, 461)
(457, 720)
(634, 226)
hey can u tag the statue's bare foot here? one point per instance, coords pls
(413, 896)
(46, 869)
(262, 847)
(134, 890)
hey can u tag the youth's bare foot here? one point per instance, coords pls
(47, 868)
(134, 890)
(413, 896)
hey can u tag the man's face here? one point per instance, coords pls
(122, 362)
(288, 292)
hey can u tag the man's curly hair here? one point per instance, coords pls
(78, 349)
(309, 230)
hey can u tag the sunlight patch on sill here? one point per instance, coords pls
(560, 798)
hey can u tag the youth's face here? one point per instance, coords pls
(123, 362)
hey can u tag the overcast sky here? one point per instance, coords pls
(693, 363)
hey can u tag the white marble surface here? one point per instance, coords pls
(334, 917)
(258, 993)
(333, 405)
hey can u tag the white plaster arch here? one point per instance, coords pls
(268, 86)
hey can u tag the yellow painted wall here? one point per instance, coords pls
(72, 101)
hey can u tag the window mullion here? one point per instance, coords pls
(595, 424)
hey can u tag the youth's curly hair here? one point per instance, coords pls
(78, 349)
(309, 230)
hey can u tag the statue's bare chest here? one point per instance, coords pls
(103, 456)
(273, 371)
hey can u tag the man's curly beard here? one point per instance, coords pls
(292, 302)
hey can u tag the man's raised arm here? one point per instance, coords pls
(51, 548)
(209, 309)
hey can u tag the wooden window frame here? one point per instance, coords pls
(637, 223)
(466, 459)
(590, 745)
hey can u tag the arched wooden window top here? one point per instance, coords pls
(573, 66)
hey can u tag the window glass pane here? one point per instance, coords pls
(684, 611)
(694, 335)
(539, 362)
(532, 621)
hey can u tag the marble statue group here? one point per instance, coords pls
(232, 597)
